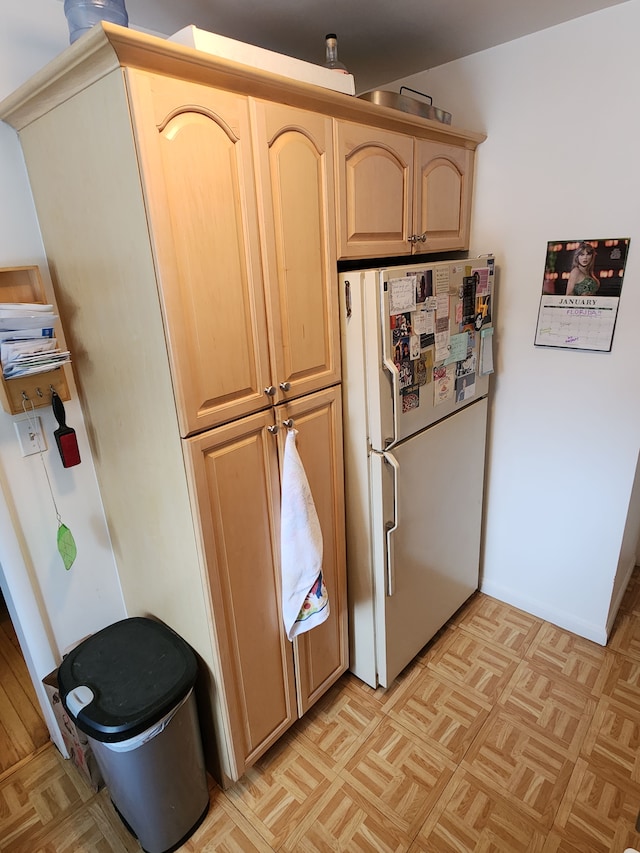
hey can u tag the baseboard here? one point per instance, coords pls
(561, 618)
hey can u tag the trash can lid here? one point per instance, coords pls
(136, 670)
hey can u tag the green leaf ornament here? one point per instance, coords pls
(66, 546)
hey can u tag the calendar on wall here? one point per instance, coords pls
(580, 293)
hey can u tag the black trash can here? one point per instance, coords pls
(129, 688)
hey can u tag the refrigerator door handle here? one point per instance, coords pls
(388, 363)
(393, 372)
(392, 526)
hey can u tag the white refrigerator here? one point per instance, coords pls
(417, 356)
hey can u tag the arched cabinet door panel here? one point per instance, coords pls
(321, 655)
(237, 489)
(295, 174)
(444, 177)
(197, 171)
(375, 191)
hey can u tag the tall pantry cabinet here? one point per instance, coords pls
(188, 232)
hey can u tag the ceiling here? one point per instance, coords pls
(378, 40)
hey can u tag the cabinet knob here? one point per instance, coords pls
(270, 390)
(289, 423)
(286, 386)
(273, 429)
(418, 238)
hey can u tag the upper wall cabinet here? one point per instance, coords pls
(375, 191)
(442, 196)
(399, 194)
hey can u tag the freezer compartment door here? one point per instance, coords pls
(427, 535)
(432, 317)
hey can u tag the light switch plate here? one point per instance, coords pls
(30, 435)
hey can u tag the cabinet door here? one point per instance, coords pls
(321, 654)
(444, 179)
(197, 173)
(235, 475)
(375, 191)
(294, 163)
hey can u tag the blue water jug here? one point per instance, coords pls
(83, 14)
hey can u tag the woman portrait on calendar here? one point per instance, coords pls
(583, 280)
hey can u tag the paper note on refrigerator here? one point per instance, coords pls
(442, 280)
(424, 322)
(482, 281)
(402, 294)
(420, 322)
(443, 379)
(486, 351)
(458, 346)
(465, 386)
(442, 345)
(442, 312)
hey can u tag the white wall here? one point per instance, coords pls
(50, 607)
(560, 162)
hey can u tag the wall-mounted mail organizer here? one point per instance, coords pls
(24, 285)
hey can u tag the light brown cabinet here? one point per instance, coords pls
(190, 209)
(400, 194)
(196, 168)
(235, 471)
(241, 339)
(236, 480)
(321, 655)
(443, 184)
(194, 261)
(294, 166)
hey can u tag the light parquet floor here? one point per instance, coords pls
(22, 729)
(506, 734)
